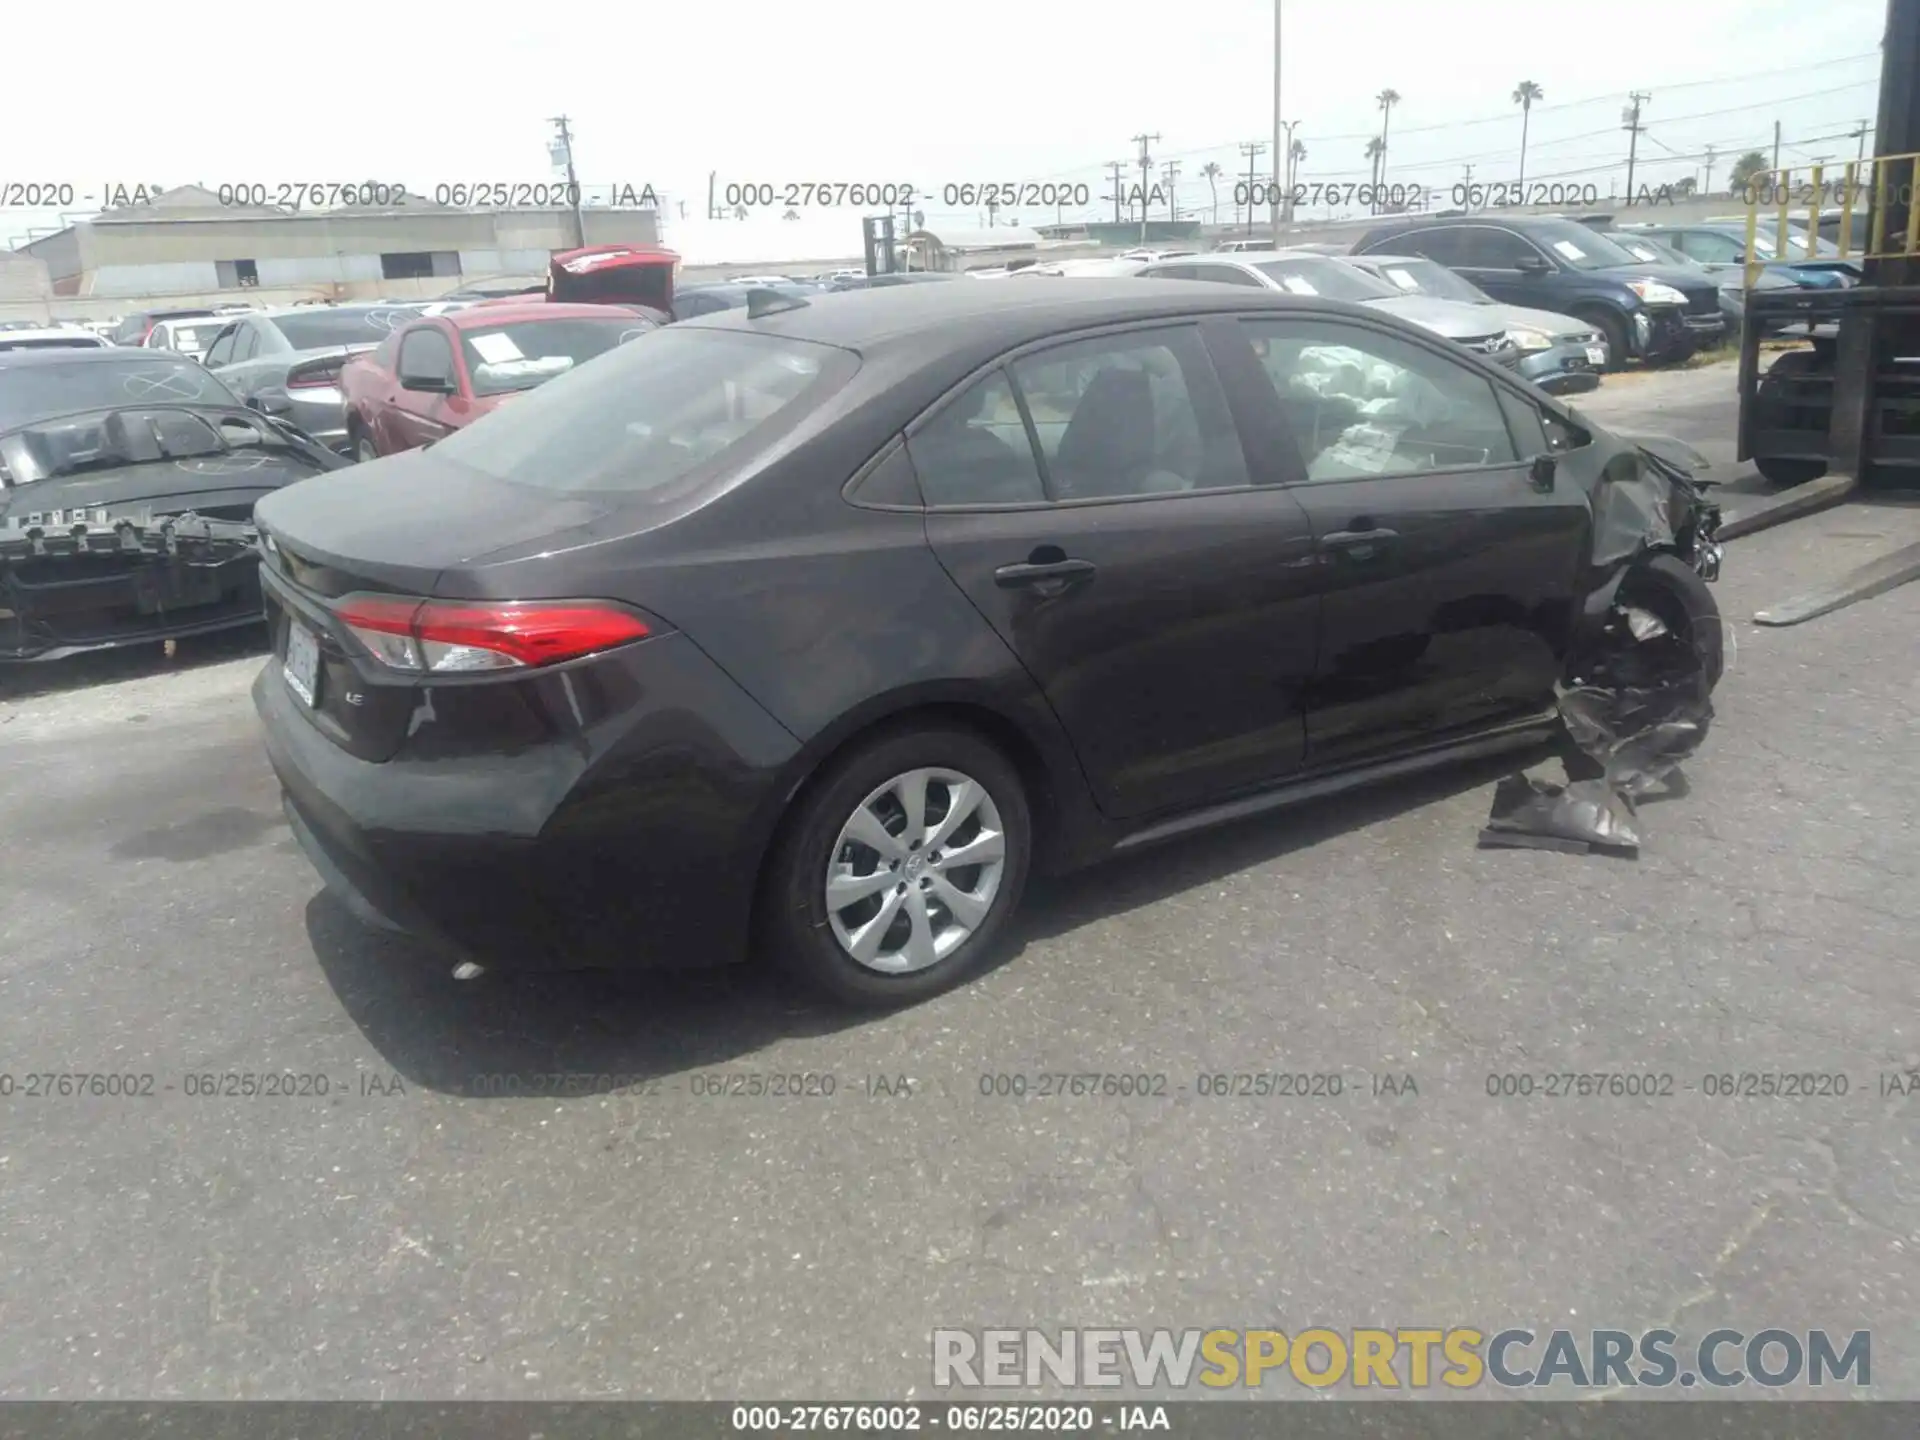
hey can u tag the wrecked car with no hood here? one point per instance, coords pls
(127, 485)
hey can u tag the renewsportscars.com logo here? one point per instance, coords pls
(1458, 1358)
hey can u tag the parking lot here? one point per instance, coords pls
(415, 1233)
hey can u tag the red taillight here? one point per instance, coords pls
(464, 636)
(312, 379)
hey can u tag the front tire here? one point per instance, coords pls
(901, 867)
(1613, 329)
(1672, 589)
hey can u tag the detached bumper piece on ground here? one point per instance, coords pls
(1635, 730)
(74, 581)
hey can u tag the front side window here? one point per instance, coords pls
(1131, 414)
(1362, 403)
(425, 354)
(975, 451)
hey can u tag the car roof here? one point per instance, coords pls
(88, 355)
(480, 315)
(946, 316)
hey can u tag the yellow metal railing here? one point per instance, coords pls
(1806, 195)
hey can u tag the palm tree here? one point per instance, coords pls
(1212, 174)
(1376, 154)
(1524, 95)
(1386, 100)
(791, 215)
(739, 212)
(1748, 166)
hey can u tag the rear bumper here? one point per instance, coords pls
(635, 849)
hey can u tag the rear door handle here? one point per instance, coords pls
(1054, 575)
(1348, 539)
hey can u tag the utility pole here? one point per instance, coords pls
(1468, 207)
(1171, 170)
(1707, 188)
(1116, 166)
(1146, 178)
(1286, 168)
(573, 181)
(1631, 124)
(1776, 147)
(1279, 127)
(712, 213)
(1253, 150)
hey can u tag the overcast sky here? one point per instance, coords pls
(929, 95)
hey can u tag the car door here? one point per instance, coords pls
(428, 387)
(1492, 257)
(1109, 504)
(1449, 575)
(220, 352)
(244, 371)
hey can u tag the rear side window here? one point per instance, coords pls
(975, 451)
(650, 412)
(1138, 413)
(1443, 245)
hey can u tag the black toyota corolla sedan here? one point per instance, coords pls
(811, 628)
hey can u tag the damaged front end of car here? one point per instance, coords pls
(1647, 653)
(70, 582)
(134, 524)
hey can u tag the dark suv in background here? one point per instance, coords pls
(1656, 313)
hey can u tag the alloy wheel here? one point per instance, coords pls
(915, 870)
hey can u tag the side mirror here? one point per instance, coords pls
(1540, 474)
(270, 404)
(430, 384)
(1533, 265)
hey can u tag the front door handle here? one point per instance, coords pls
(1048, 577)
(1351, 539)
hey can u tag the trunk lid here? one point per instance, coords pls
(395, 524)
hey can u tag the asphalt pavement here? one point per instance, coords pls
(426, 1228)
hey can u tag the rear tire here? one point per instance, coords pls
(1673, 590)
(893, 938)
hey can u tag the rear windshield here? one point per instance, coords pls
(323, 329)
(31, 391)
(504, 358)
(652, 411)
(1335, 279)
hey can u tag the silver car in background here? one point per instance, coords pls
(287, 362)
(1560, 354)
(1294, 272)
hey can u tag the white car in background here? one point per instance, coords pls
(50, 337)
(1093, 269)
(186, 337)
(1147, 257)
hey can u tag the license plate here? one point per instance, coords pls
(302, 667)
(1596, 355)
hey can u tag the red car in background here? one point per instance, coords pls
(430, 378)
